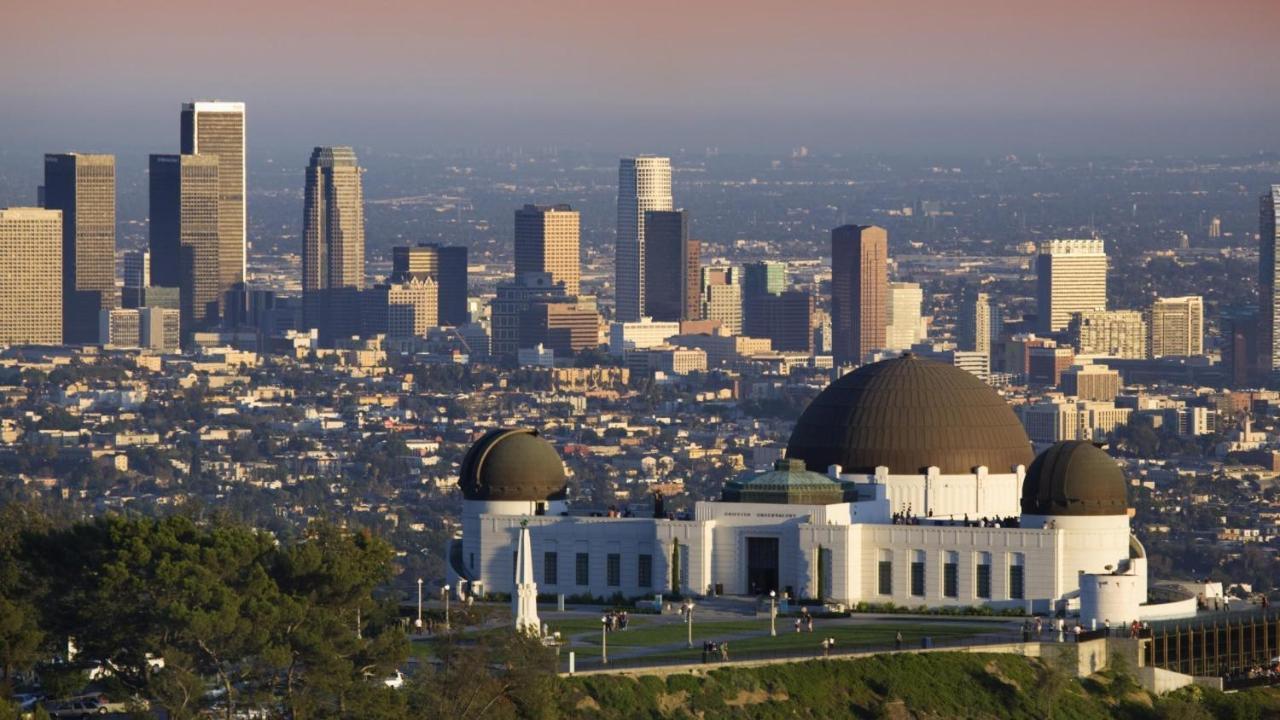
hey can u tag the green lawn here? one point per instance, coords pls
(671, 637)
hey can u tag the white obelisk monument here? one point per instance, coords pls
(526, 596)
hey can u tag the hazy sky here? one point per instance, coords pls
(892, 75)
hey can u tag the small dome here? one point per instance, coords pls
(787, 484)
(908, 414)
(1074, 478)
(512, 464)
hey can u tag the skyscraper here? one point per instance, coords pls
(979, 323)
(447, 265)
(185, 236)
(137, 269)
(218, 128)
(672, 267)
(1268, 303)
(31, 276)
(904, 324)
(760, 280)
(644, 183)
(1177, 326)
(83, 187)
(722, 297)
(786, 319)
(333, 244)
(1071, 278)
(547, 240)
(859, 291)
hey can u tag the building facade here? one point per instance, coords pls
(217, 129)
(722, 297)
(859, 291)
(547, 240)
(904, 322)
(184, 234)
(1177, 327)
(1071, 278)
(333, 244)
(672, 267)
(83, 187)
(30, 276)
(1110, 333)
(644, 184)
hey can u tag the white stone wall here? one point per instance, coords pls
(947, 496)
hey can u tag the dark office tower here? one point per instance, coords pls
(217, 128)
(859, 291)
(547, 240)
(453, 284)
(83, 187)
(333, 244)
(1268, 275)
(672, 267)
(185, 234)
(760, 280)
(787, 320)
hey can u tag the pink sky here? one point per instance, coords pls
(564, 69)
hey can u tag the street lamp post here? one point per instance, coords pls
(688, 619)
(773, 613)
(604, 640)
(419, 623)
(446, 608)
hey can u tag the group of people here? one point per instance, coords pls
(616, 620)
(711, 649)
(804, 619)
(906, 517)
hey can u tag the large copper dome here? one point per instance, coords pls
(512, 464)
(909, 414)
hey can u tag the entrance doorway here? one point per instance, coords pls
(762, 565)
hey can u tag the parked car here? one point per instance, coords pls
(78, 707)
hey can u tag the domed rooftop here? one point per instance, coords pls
(788, 483)
(908, 414)
(1074, 478)
(512, 464)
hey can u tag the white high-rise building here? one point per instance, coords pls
(644, 183)
(1072, 278)
(980, 323)
(904, 324)
(1177, 326)
(1269, 280)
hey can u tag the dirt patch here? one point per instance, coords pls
(895, 710)
(755, 697)
(994, 671)
(588, 703)
(668, 703)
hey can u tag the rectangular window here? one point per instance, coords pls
(984, 576)
(886, 577)
(582, 569)
(1017, 577)
(951, 576)
(645, 574)
(550, 572)
(917, 574)
(613, 569)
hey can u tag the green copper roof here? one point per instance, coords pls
(789, 483)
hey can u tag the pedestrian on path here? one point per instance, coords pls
(897, 640)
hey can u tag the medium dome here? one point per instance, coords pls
(1074, 478)
(512, 464)
(908, 414)
(789, 483)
